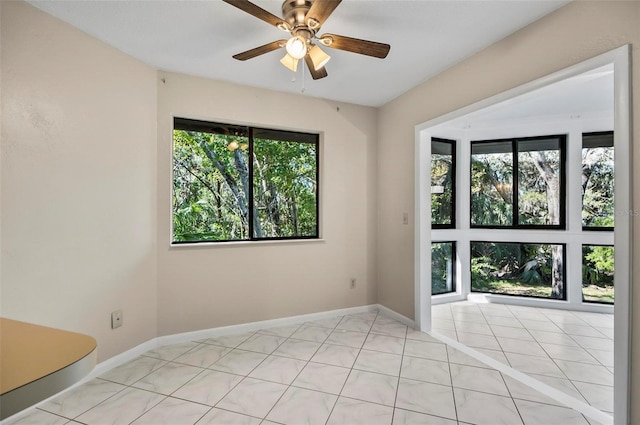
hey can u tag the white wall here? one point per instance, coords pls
(221, 284)
(78, 182)
(570, 35)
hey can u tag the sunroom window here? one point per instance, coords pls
(518, 183)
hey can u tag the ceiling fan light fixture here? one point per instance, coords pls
(290, 62)
(318, 57)
(297, 47)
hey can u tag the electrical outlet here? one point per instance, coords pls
(353, 283)
(116, 319)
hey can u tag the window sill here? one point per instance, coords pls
(243, 244)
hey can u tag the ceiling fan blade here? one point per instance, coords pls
(355, 45)
(269, 47)
(257, 11)
(320, 10)
(315, 73)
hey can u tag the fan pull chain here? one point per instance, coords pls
(303, 76)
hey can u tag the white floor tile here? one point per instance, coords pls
(336, 355)
(427, 350)
(349, 411)
(542, 414)
(425, 397)
(372, 387)
(219, 417)
(122, 408)
(588, 342)
(378, 362)
(168, 378)
(553, 338)
(385, 343)
(513, 345)
(312, 333)
(485, 409)
(355, 324)
(252, 397)
(281, 331)
(299, 406)
(562, 352)
(478, 379)
(203, 355)
(322, 377)
(134, 370)
(239, 362)
(481, 341)
(297, 349)
(172, 411)
(406, 417)
(209, 387)
(261, 343)
(347, 338)
(426, 370)
(170, 352)
(511, 332)
(584, 372)
(231, 341)
(38, 417)
(80, 399)
(599, 396)
(282, 370)
(537, 365)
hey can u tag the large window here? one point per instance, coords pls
(523, 269)
(518, 183)
(235, 183)
(443, 267)
(443, 183)
(597, 181)
(597, 273)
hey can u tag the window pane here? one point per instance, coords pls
(532, 270)
(210, 180)
(539, 174)
(284, 186)
(597, 273)
(598, 180)
(442, 183)
(491, 184)
(443, 261)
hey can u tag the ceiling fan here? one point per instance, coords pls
(303, 19)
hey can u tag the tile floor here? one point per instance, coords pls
(356, 369)
(568, 350)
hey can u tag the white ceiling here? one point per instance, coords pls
(199, 37)
(584, 96)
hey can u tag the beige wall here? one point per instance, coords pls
(78, 182)
(209, 286)
(568, 36)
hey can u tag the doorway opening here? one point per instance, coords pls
(558, 112)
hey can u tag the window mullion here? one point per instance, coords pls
(250, 203)
(515, 182)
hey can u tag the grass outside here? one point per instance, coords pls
(592, 293)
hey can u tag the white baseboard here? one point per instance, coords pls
(396, 316)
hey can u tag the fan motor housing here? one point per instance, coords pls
(294, 12)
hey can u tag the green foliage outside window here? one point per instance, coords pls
(598, 273)
(443, 183)
(212, 197)
(522, 269)
(598, 180)
(443, 267)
